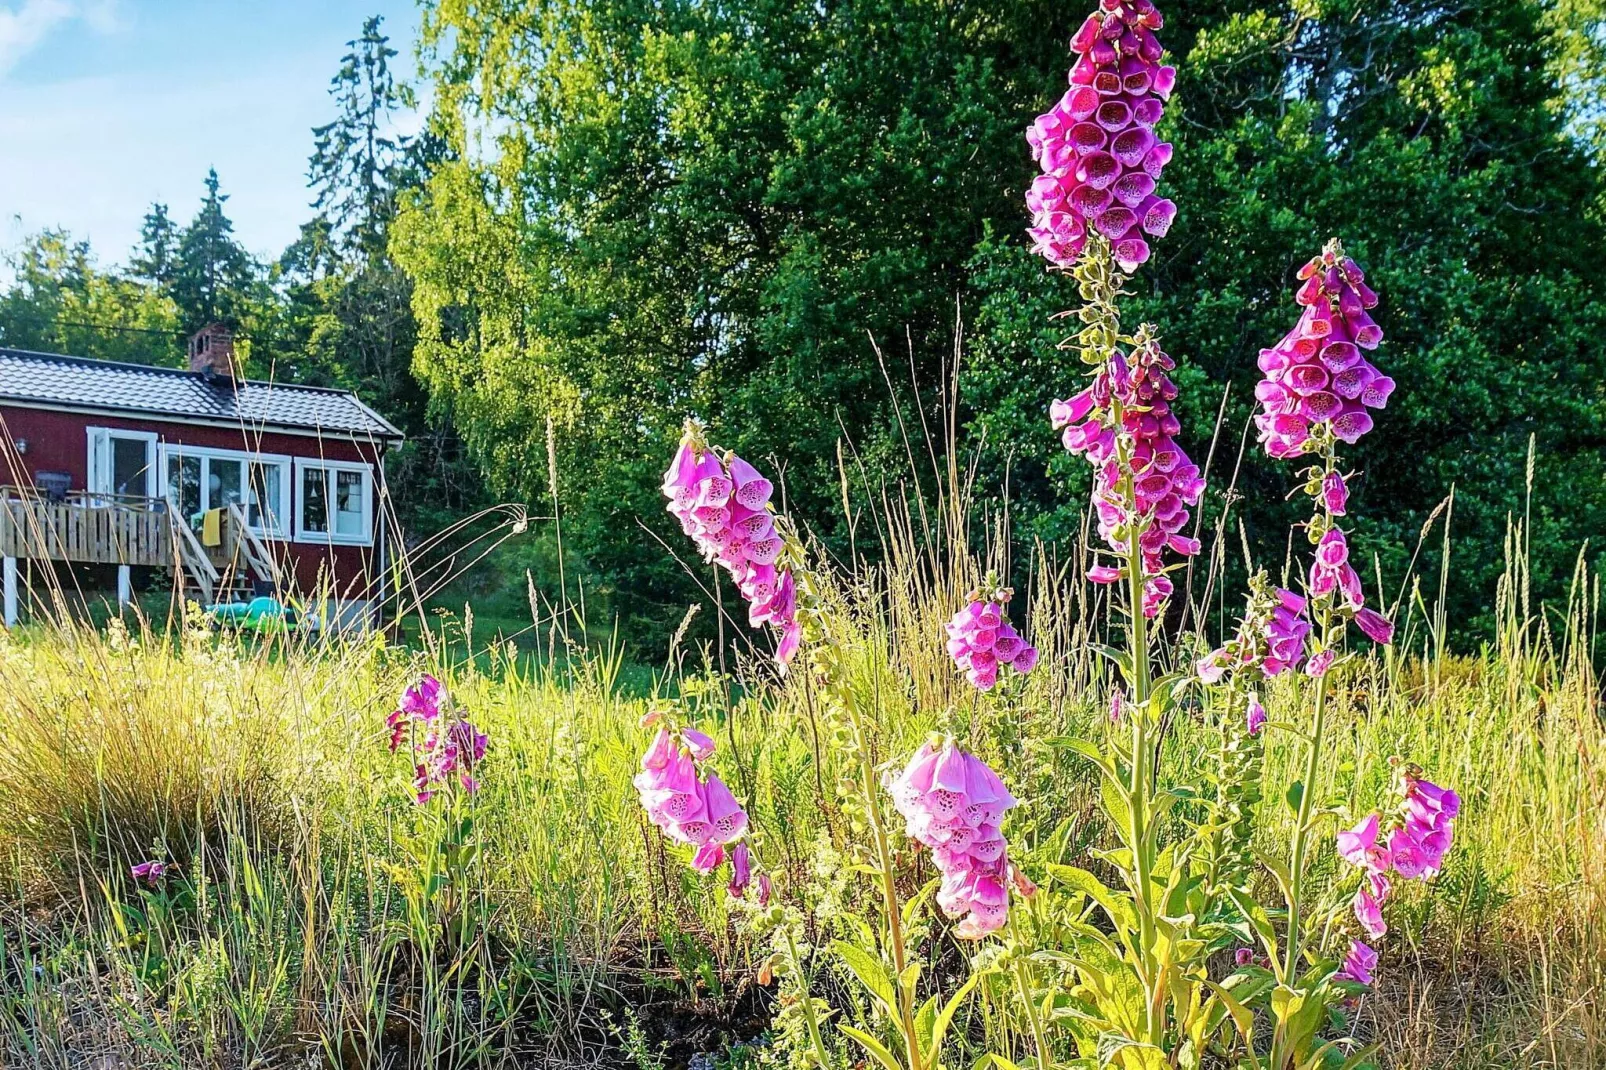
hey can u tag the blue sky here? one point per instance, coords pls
(109, 105)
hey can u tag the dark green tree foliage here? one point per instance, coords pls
(1429, 138)
(668, 209)
(155, 258)
(357, 166)
(658, 209)
(214, 279)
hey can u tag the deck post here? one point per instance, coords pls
(125, 585)
(10, 569)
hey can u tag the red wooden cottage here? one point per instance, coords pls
(237, 486)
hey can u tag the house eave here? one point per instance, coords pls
(384, 439)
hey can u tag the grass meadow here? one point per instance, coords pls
(288, 932)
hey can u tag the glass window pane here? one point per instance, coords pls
(128, 465)
(267, 481)
(314, 500)
(184, 484)
(349, 504)
(224, 484)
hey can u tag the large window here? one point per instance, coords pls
(334, 502)
(201, 479)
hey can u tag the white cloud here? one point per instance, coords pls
(23, 28)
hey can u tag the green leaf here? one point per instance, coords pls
(1114, 797)
(993, 1059)
(1286, 1002)
(1121, 658)
(874, 1047)
(946, 1017)
(910, 977)
(870, 973)
(1295, 795)
(925, 1021)
(1242, 1018)
(912, 907)
(1087, 749)
(1255, 914)
(1117, 908)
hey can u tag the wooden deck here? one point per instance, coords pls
(98, 529)
(86, 529)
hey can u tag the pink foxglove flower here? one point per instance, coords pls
(723, 503)
(700, 744)
(1360, 848)
(1317, 376)
(741, 871)
(1335, 493)
(420, 703)
(1427, 828)
(1320, 663)
(1331, 571)
(1369, 912)
(150, 872)
(1286, 630)
(1165, 482)
(444, 751)
(1358, 964)
(982, 642)
(1414, 850)
(693, 808)
(1378, 628)
(1270, 636)
(1332, 575)
(952, 803)
(1256, 716)
(423, 699)
(1097, 149)
(708, 857)
(671, 792)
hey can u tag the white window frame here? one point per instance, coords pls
(284, 462)
(100, 465)
(328, 467)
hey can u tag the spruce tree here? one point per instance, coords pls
(214, 279)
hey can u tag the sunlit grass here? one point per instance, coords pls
(259, 768)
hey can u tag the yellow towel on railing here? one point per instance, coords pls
(212, 528)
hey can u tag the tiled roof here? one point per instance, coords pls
(48, 378)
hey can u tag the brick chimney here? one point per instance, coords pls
(212, 352)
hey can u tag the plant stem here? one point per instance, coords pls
(809, 1020)
(889, 887)
(1045, 1060)
(1138, 642)
(1307, 797)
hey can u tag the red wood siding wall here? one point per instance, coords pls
(59, 442)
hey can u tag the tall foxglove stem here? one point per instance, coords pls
(1323, 619)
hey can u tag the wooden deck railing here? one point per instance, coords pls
(119, 529)
(92, 529)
